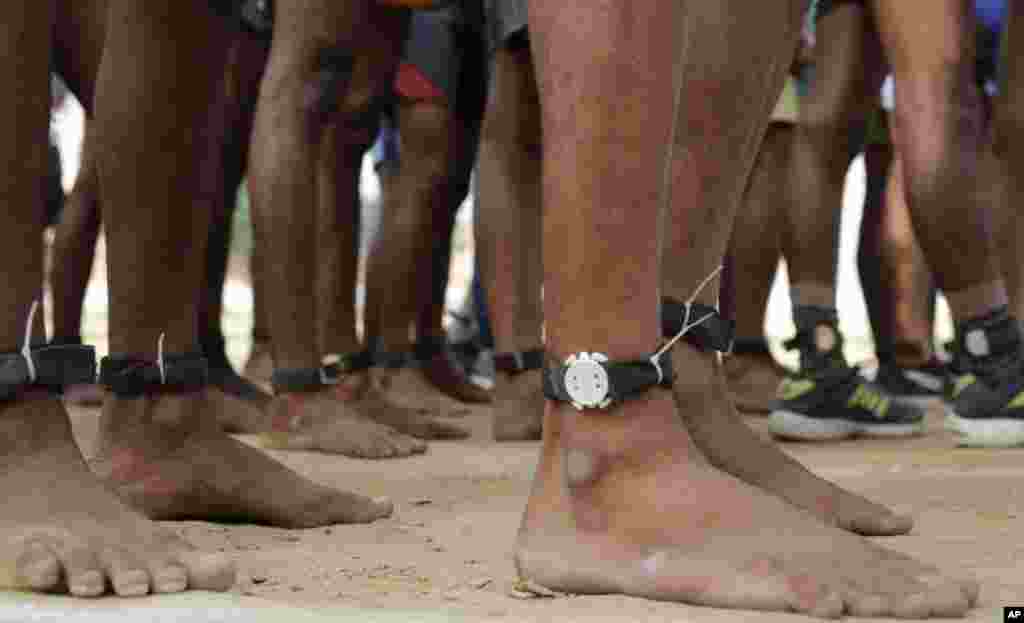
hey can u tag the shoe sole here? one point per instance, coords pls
(988, 433)
(792, 425)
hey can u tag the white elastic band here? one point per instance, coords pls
(160, 359)
(26, 349)
(687, 325)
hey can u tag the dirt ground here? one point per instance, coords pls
(447, 548)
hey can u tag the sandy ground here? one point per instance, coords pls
(448, 546)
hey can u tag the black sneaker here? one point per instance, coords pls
(987, 395)
(830, 405)
(920, 385)
(829, 399)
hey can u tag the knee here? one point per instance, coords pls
(426, 136)
(323, 88)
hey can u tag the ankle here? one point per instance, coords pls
(989, 344)
(818, 338)
(629, 429)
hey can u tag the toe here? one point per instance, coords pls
(168, 577)
(208, 571)
(37, 567)
(127, 574)
(911, 606)
(879, 524)
(949, 597)
(864, 604)
(407, 445)
(83, 573)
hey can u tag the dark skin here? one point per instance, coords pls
(841, 98)
(508, 230)
(80, 536)
(508, 225)
(165, 453)
(593, 501)
(1007, 133)
(938, 130)
(750, 269)
(298, 110)
(399, 267)
(893, 272)
(438, 134)
(241, 409)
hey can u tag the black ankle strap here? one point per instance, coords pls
(428, 347)
(302, 380)
(51, 368)
(391, 359)
(335, 368)
(129, 377)
(625, 379)
(714, 333)
(750, 346)
(517, 362)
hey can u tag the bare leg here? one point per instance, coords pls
(1008, 152)
(393, 272)
(164, 452)
(846, 80)
(939, 132)
(826, 399)
(621, 503)
(508, 229)
(241, 404)
(752, 374)
(313, 80)
(62, 529)
(74, 248)
(897, 283)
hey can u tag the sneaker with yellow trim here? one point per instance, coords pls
(829, 399)
(986, 397)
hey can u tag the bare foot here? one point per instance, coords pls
(237, 416)
(726, 440)
(518, 406)
(444, 372)
(63, 531)
(260, 365)
(753, 381)
(411, 389)
(369, 394)
(623, 503)
(167, 457)
(321, 422)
